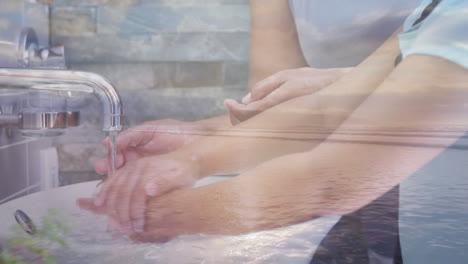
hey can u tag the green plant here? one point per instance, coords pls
(22, 248)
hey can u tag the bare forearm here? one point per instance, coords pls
(406, 126)
(417, 113)
(295, 126)
(403, 125)
(267, 197)
(216, 123)
(274, 44)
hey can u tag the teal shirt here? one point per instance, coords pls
(444, 33)
(433, 201)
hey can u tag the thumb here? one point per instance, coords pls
(88, 204)
(243, 112)
(101, 166)
(233, 106)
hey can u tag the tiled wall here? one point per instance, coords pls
(168, 59)
(21, 164)
(20, 159)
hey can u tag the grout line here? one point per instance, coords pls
(18, 143)
(27, 167)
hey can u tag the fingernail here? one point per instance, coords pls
(247, 99)
(152, 188)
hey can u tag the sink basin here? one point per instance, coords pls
(90, 243)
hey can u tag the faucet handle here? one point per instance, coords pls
(50, 52)
(57, 50)
(30, 55)
(49, 57)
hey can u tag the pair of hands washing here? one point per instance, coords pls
(145, 168)
(150, 169)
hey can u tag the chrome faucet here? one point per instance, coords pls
(42, 69)
(68, 81)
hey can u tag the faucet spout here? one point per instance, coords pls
(63, 80)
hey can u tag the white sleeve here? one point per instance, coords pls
(444, 33)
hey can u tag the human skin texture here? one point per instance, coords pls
(276, 132)
(342, 174)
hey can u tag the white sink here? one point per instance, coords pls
(89, 243)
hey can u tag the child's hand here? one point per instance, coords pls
(150, 138)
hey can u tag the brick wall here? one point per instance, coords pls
(168, 59)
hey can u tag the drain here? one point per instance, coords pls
(25, 222)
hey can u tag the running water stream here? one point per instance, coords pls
(112, 152)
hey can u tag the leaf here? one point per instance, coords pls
(52, 231)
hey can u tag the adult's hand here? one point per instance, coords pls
(150, 138)
(280, 87)
(217, 208)
(176, 213)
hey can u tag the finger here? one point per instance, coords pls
(241, 112)
(102, 166)
(268, 85)
(126, 142)
(103, 194)
(133, 155)
(234, 120)
(231, 104)
(105, 142)
(247, 99)
(137, 136)
(131, 196)
(285, 92)
(155, 139)
(150, 237)
(116, 199)
(278, 96)
(121, 204)
(88, 204)
(137, 211)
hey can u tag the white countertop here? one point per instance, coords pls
(294, 244)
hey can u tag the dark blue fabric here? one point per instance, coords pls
(373, 227)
